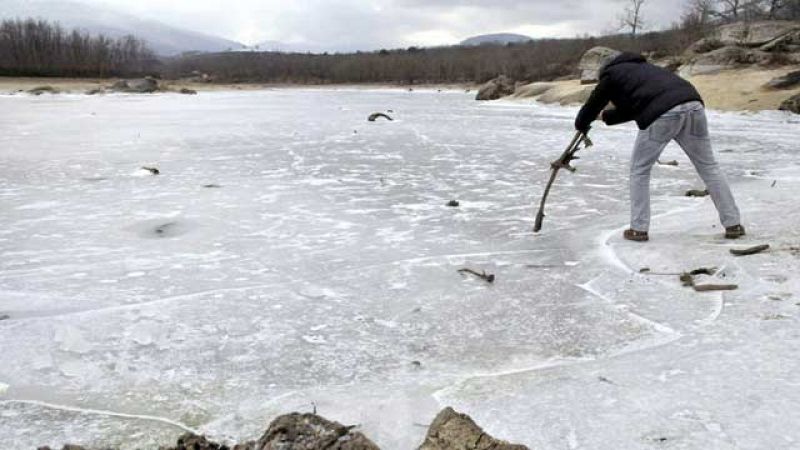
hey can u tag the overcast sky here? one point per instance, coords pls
(371, 24)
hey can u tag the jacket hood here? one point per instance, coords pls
(627, 58)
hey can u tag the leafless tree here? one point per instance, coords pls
(738, 10)
(780, 9)
(538, 60)
(773, 7)
(38, 48)
(730, 9)
(699, 11)
(632, 17)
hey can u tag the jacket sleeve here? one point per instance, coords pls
(592, 108)
(616, 117)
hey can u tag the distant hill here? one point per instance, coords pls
(164, 39)
(496, 39)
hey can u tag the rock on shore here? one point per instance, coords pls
(741, 44)
(146, 85)
(740, 66)
(788, 81)
(592, 62)
(499, 87)
(449, 431)
(756, 34)
(792, 104)
(453, 431)
(307, 431)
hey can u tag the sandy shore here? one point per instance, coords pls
(742, 90)
(10, 85)
(730, 90)
(79, 85)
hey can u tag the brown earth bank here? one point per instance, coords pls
(739, 66)
(742, 66)
(730, 90)
(741, 89)
(450, 430)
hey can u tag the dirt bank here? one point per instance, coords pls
(730, 90)
(10, 85)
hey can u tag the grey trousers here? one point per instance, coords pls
(687, 125)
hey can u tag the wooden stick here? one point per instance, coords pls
(715, 287)
(483, 276)
(561, 163)
(697, 193)
(688, 281)
(374, 116)
(704, 271)
(750, 251)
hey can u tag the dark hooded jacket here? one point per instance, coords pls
(639, 91)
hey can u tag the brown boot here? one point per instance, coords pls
(637, 236)
(734, 232)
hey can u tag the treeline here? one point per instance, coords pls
(535, 60)
(38, 48)
(725, 11)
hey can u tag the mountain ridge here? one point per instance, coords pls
(495, 39)
(163, 39)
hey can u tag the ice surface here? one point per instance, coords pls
(322, 264)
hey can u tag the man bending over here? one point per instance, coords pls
(665, 107)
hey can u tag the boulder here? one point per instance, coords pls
(146, 85)
(120, 85)
(200, 77)
(792, 104)
(309, 431)
(39, 90)
(788, 43)
(496, 88)
(755, 34)
(704, 45)
(65, 447)
(788, 81)
(190, 441)
(722, 59)
(533, 90)
(671, 63)
(453, 431)
(592, 61)
(143, 85)
(576, 98)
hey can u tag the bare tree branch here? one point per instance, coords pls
(632, 17)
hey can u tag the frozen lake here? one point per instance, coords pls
(292, 254)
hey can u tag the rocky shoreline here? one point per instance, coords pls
(737, 67)
(450, 430)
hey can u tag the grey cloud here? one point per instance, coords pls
(372, 24)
